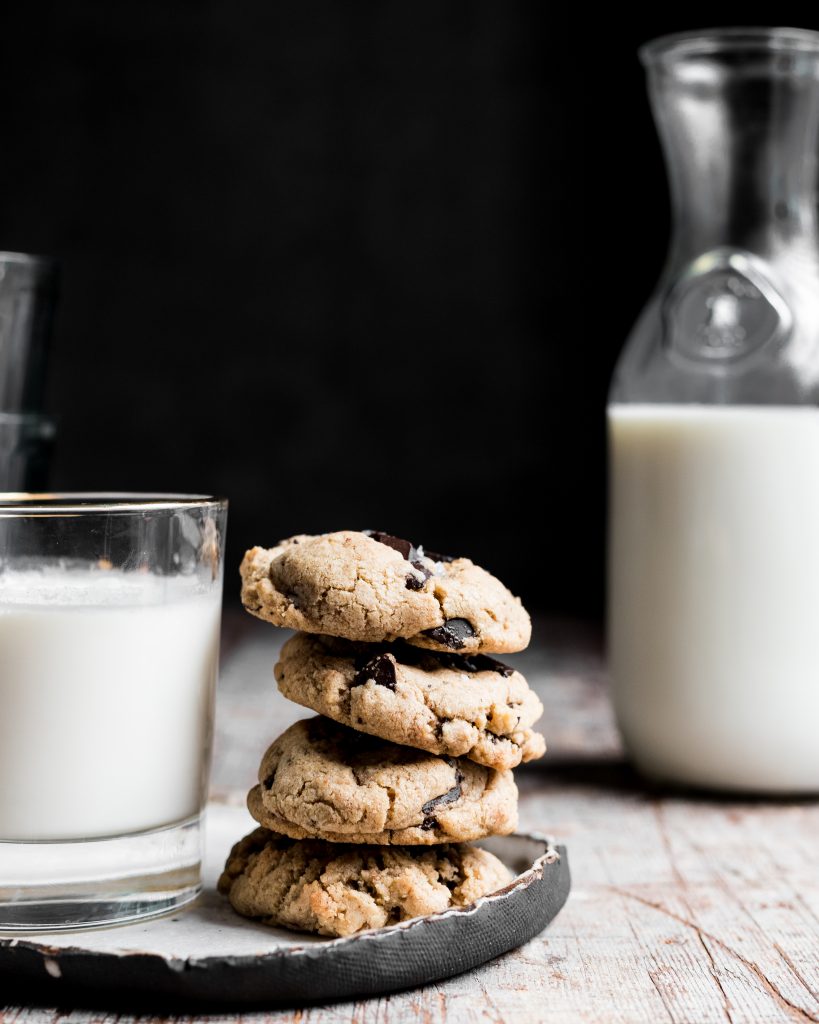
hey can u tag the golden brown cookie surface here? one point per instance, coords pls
(458, 705)
(376, 587)
(312, 886)
(320, 779)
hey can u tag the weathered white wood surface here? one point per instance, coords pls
(683, 909)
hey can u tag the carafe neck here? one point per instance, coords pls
(738, 116)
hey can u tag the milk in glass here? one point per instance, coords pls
(106, 684)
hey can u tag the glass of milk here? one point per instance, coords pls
(110, 608)
(713, 606)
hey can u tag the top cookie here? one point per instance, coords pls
(375, 587)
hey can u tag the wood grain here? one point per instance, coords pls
(684, 909)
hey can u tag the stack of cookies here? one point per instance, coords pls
(367, 809)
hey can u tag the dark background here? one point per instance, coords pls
(349, 264)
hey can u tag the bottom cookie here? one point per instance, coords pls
(313, 886)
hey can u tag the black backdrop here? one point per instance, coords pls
(348, 264)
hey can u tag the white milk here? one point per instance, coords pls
(714, 592)
(106, 688)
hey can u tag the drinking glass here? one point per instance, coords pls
(110, 608)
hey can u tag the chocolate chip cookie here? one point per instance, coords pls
(313, 886)
(371, 586)
(320, 779)
(456, 704)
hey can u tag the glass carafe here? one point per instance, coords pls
(713, 610)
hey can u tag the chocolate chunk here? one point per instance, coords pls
(475, 663)
(403, 547)
(404, 653)
(430, 660)
(381, 669)
(439, 727)
(407, 550)
(437, 557)
(452, 633)
(449, 797)
(419, 565)
(413, 583)
(368, 653)
(419, 657)
(487, 664)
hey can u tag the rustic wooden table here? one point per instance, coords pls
(684, 909)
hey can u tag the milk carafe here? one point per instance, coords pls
(713, 603)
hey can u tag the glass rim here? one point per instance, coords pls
(11, 256)
(732, 39)
(28, 425)
(26, 416)
(78, 503)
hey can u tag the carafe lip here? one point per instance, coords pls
(730, 39)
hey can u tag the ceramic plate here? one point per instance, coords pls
(206, 956)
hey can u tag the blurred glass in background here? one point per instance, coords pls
(28, 290)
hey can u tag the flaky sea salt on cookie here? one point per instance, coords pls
(322, 780)
(312, 886)
(370, 586)
(459, 705)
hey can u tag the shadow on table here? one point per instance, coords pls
(613, 773)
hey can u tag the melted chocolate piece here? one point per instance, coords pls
(472, 663)
(408, 551)
(403, 547)
(437, 557)
(381, 669)
(413, 583)
(368, 653)
(420, 657)
(452, 633)
(451, 795)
